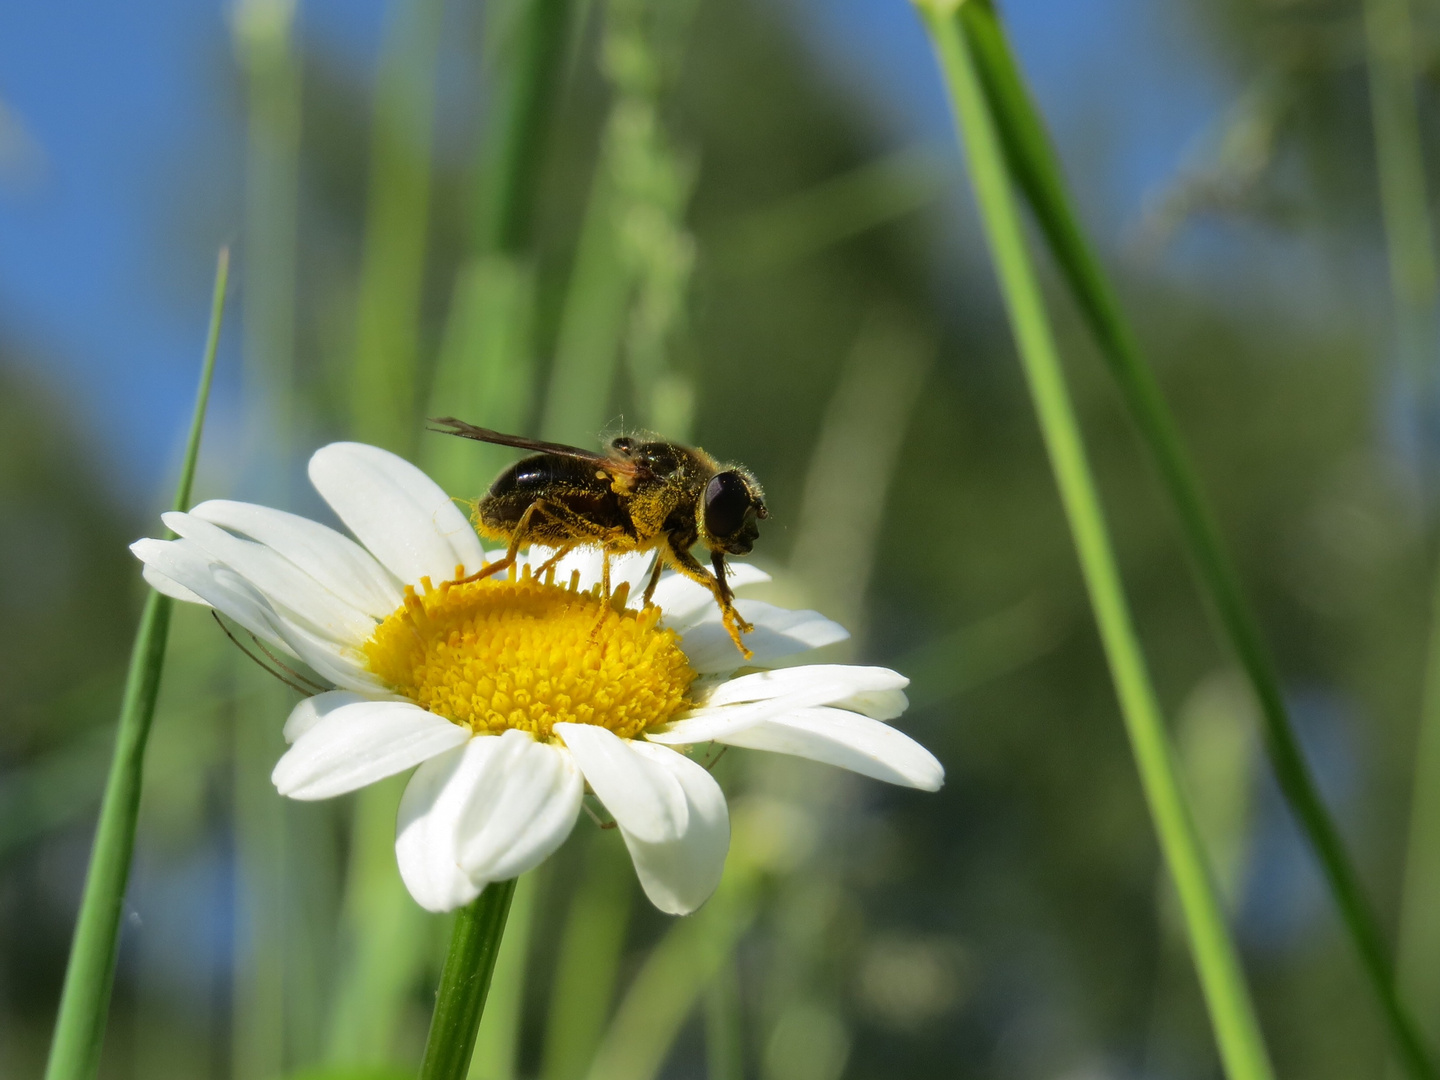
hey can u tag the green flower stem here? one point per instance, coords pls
(497, 1044)
(464, 983)
(90, 974)
(1237, 1033)
(1036, 171)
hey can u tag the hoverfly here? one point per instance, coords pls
(640, 495)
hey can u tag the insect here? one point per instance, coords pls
(639, 495)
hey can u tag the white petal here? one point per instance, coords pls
(835, 681)
(741, 703)
(396, 511)
(186, 564)
(343, 665)
(524, 811)
(645, 799)
(778, 632)
(584, 560)
(331, 558)
(357, 744)
(849, 740)
(427, 829)
(314, 709)
(162, 584)
(679, 875)
(683, 600)
(878, 704)
(632, 568)
(290, 590)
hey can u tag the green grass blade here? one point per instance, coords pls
(387, 347)
(805, 224)
(264, 32)
(1409, 243)
(1237, 1033)
(485, 372)
(671, 981)
(260, 997)
(384, 938)
(90, 974)
(590, 947)
(591, 325)
(1037, 172)
(724, 1027)
(465, 983)
(1400, 167)
(531, 60)
(1419, 937)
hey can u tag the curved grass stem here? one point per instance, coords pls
(1036, 171)
(1237, 1033)
(90, 973)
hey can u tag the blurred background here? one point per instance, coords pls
(745, 225)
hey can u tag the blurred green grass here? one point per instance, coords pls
(1027, 887)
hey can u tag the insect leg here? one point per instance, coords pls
(685, 563)
(654, 580)
(548, 563)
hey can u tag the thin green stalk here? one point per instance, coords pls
(90, 973)
(384, 938)
(264, 40)
(497, 1046)
(724, 1034)
(465, 982)
(1419, 937)
(670, 982)
(1415, 286)
(382, 930)
(632, 265)
(259, 998)
(591, 325)
(590, 946)
(1237, 1033)
(534, 58)
(803, 225)
(486, 369)
(387, 347)
(276, 974)
(1400, 167)
(1036, 170)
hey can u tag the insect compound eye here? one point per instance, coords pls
(727, 501)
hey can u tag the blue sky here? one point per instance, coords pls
(105, 257)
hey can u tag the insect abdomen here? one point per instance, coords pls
(570, 482)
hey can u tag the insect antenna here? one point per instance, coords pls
(604, 823)
(298, 679)
(320, 687)
(710, 765)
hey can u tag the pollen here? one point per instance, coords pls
(528, 654)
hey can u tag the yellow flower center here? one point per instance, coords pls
(528, 654)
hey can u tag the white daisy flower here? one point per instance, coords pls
(511, 696)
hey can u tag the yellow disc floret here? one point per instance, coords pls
(527, 654)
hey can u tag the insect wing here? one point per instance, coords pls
(612, 464)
